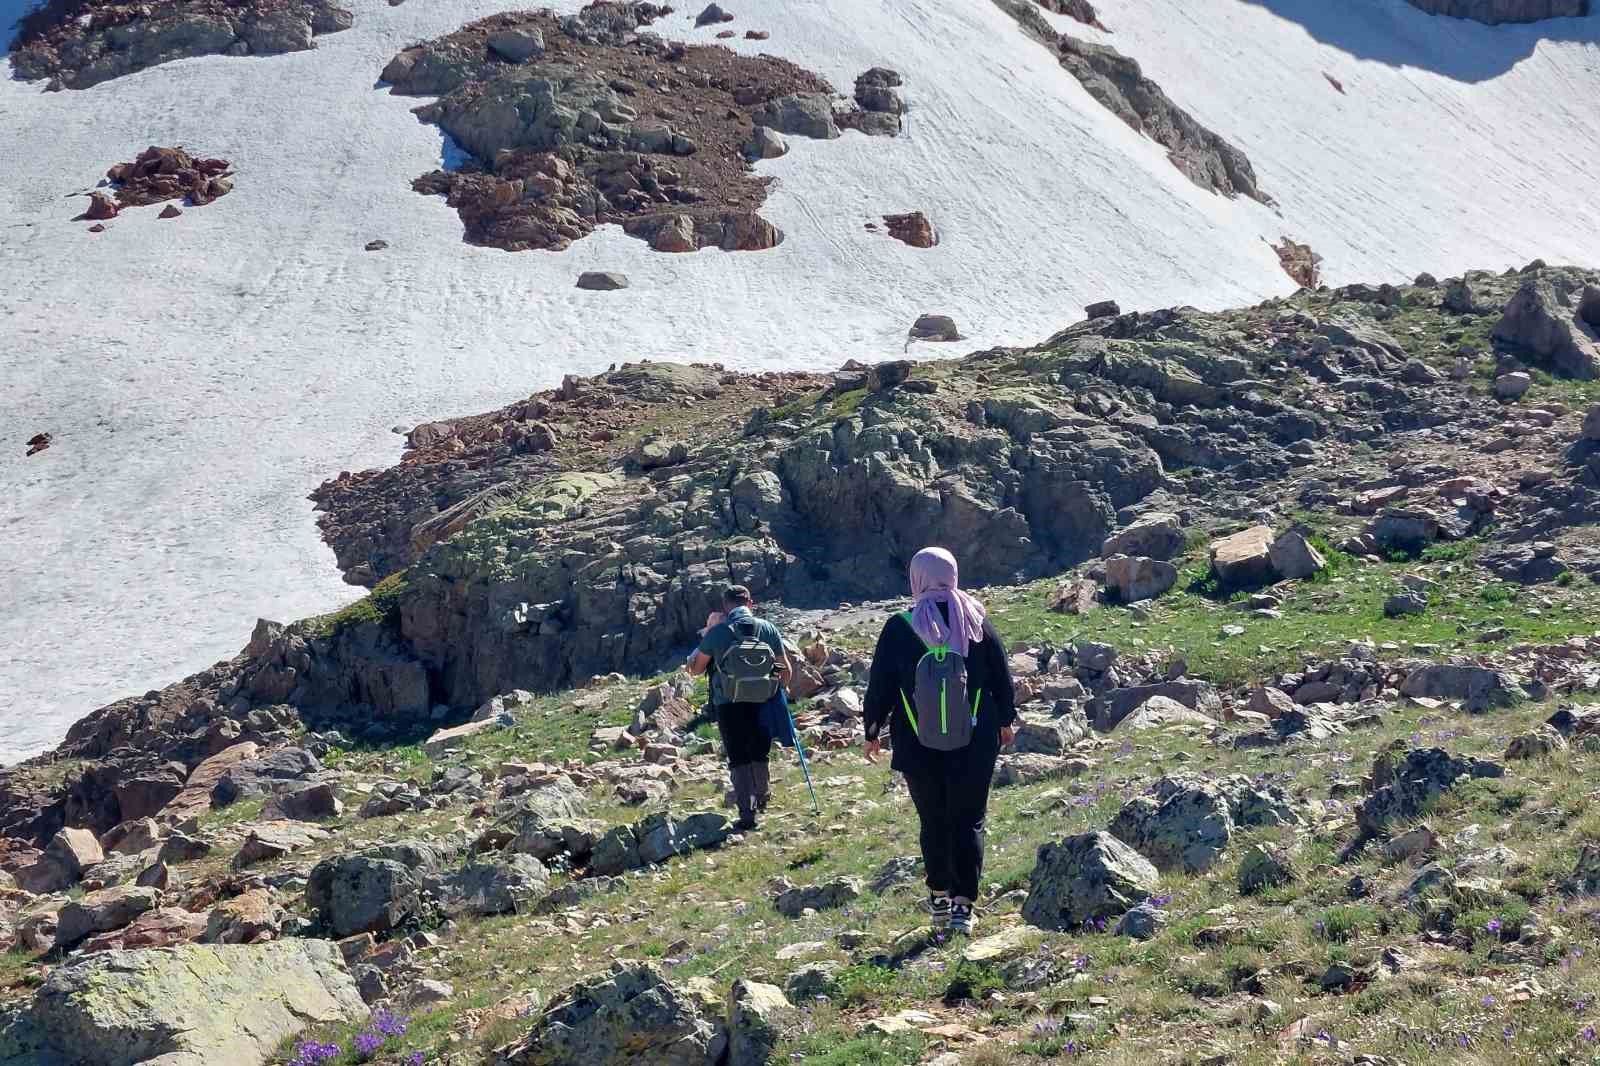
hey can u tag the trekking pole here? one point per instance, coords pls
(800, 749)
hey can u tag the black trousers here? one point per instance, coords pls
(952, 800)
(743, 738)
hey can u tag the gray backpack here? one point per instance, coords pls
(749, 669)
(938, 708)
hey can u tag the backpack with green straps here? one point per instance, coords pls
(938, 708)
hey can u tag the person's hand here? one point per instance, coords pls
(712, 619)
(873, 748)
(1007, 735)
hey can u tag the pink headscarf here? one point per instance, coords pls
(935, 580)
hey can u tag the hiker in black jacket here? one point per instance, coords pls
(947, 729)
(743, 651)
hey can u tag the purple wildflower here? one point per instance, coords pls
(1588, 1033)
(311, 1053)
(1488, 999)
(1508, 1032)
(388, 1023)
(416, 1059)
(1493, 925)
(368, 1044)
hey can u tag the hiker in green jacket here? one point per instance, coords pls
(747, 661)
(941, 683)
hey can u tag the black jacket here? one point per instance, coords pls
(894, 667)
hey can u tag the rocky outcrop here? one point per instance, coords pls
(79, 44)
(559, 148)
(632, 1014)
(1085, 878)
(1555, 319)
(1497, 11)
(1405, 782)
(1120, 86)
(159, 174)
(183, 1006)
(912, 228)
(1303, 265)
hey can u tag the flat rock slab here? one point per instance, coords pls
(192, 1005)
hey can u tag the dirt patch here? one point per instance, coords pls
(79, 43)
(578, 121)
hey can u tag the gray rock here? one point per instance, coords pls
(183, 1006)
(1512, 386)
(766, 143)
(1262, 867)
(517, 45)
(1188, 830)
(1546, 319)
(309, 804)
(1479, 687)
(757, 1017)
(1294, 558)
(628, 1016)
(510, 885)
(1459, 297)
(791, 901)
(1402, 604)
(1243, 560)
(712, 13)
(900, 870)
(254, 777)
(1102, 309)
(275, 840)
(811, 980)
(1108, 710)
(661, 836)
(1050, 737)
(1156, 535)
(800, 115)
(602, 281)
(1405, 784)
(1135, 579)
(1538, 744)
(1084, 878)
(935, 328)
(1029, 768)
(1143, 922)
(363, 893)
(616, 852)
(101, 912)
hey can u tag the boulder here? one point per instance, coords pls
(363, 893)
(311, 803)
(661, 836)
(792, 901)
(1102, 309)
(602, 281)
(766, 143)
(189, 1005)
(1156, 535)
(1159, 712)
(195, 799)
(1143, 922)
(1049, 737)
(1084, 878)
(1243, 560)
(1135, 578)
(263, 774)
(62, 863)
(1262, 867)
(1293, 557)
(510, 885)
(1512, 386)
(161, 928)
(757, 1016)
(801, 115)
(616, 852)
(1546, 318)
(1078, 596)
(712, 13)
(1270, 701)
(1536, 745)
(1405, 604)
(444, 740)
(517, 45)
(1187, 831)
(628, 1016)
(1109, 709)
(248, 918)
(1479, 687)
(101, 912)
(1404, 785)
(1591, 424)
(912, 228)
(132, 838)
(934, 328)
(1028, 768)
(268, 841)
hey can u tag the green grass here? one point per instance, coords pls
(379, 607)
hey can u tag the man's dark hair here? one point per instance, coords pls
(736, 596)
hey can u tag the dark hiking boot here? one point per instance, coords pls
(939, 911)
(744, 795)
(761, 784)
(961, 919)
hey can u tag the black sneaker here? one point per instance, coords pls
(961, 919)
(747, 823)
(939, 911)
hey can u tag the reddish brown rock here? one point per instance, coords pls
(154, 929)
(195, 799)
(97, 228)
(170, 174)
(756, 35)
(912, 228)
(170, 212)
(101, 207)
(39, 442)
(1299, 262)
